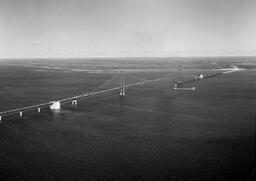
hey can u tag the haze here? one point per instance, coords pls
(126, 28)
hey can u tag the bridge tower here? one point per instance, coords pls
(179, 76)
(122, 84)
(178, 83)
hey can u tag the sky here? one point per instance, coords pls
(127, 28)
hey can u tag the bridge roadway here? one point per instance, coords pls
(91, 94)
(62, 101)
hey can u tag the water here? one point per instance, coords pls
(153, 133)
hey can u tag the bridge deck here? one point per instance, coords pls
(86, 95)
(91, 94)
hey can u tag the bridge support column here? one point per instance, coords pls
(21, 113)
(39, 109)
(55, 105)
(0, 119)
(74, 102)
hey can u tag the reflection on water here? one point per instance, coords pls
(56, 111)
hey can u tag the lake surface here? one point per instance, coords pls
(152, 133)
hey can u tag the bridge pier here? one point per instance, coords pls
(39, 110)
(55, 105)
(74, 102)
(21, 113)
(0, 119)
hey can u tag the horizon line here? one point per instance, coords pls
(116, 57)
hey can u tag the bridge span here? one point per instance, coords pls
(55, 105)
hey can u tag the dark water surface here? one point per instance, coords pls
(153, 133)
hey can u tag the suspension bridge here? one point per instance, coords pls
(56, 105)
